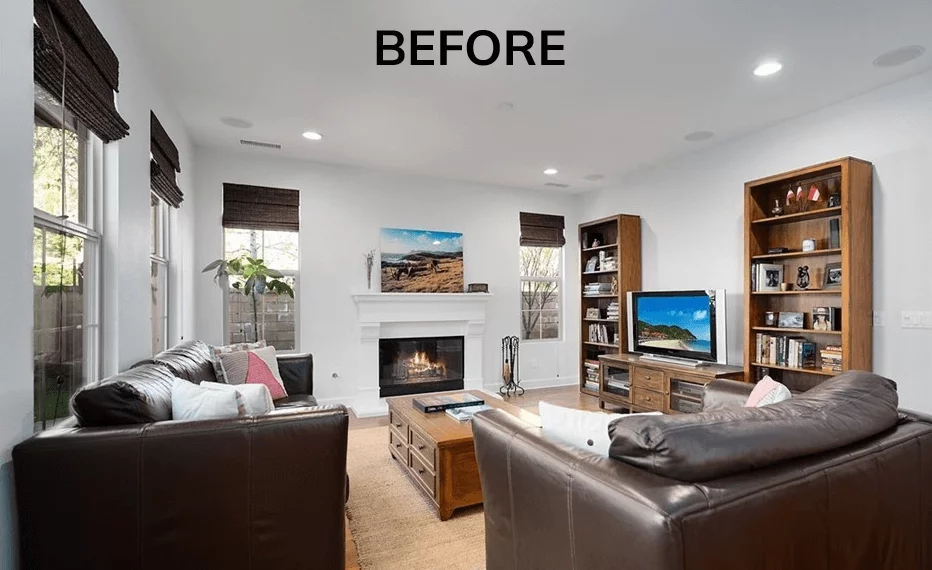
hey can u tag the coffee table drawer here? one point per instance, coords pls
(648, 399)
(425, 448)
(398, 422)
(398, 447)
(649, 379)
(424, 474)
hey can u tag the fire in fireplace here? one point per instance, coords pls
(418, 365)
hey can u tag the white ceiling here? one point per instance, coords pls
(639, 75)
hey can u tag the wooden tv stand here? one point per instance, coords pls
(657, 386)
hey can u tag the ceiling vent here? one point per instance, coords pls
(259, 144)
(556, 185)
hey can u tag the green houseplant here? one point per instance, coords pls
(253, 278)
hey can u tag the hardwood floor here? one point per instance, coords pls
(567, 396)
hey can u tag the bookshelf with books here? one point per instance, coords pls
(610, 266)
(808, 273)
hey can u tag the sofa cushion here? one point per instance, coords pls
(296, 401)
(198, 402)
(137, 396)
(699, 447)
(191, 361)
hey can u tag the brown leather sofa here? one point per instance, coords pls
(123, 487)
(769, 490)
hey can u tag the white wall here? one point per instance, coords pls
(126, 282)
(16, 112)
(342, 211)
(692, 212)
(127, 336)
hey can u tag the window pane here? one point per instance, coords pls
(155, 225)
(47, 162)
(550, 324)
(159, 278)
(269, 316)
(60, 323)
(271, 313)
(540, 261)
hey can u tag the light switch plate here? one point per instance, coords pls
(878, 318)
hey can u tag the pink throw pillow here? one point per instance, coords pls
(767, 391)
(260, 373)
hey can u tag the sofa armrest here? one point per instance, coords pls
(297, 372)
(721, 394)
(267, 489)
(588, 502)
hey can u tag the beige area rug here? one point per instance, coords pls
(394, 525)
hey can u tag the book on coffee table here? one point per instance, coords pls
(466, 414)
(429, 404)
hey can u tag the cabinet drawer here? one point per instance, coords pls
(425, 448)
(397, 446)
(648, 399)
(424, 474)
(398, 422)
(649, 378)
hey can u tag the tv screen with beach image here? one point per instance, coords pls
(675, 323)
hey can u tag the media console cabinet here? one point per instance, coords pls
(644, 385)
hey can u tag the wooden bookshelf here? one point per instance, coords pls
(619, 237)
(851, 180)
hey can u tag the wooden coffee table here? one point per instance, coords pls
(438, 452)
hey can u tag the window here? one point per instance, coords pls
(274, 315)
(158, 258)
(541, 279)
(65, 259)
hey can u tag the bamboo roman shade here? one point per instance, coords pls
(260, 208)
(164, 164)
(542, 230)
(68, 46)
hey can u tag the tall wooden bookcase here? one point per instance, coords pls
(850, 180)
(619, 238)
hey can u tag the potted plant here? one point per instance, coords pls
(253, 278)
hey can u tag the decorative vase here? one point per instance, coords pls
(777, 210)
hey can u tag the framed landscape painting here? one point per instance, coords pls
(421, 261)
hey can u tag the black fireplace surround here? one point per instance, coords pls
(419, 365)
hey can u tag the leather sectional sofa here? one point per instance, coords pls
(834, 479)
(124, 487)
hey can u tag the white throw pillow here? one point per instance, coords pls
(256, 397)
(192, 402)
(767, 391)
(586, 430)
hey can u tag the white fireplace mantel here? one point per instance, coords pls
(406, 315)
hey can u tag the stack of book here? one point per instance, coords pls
(607, 263)
(592, 375)
(831, 358)
(611, 312)
(619, 383)
(791, 352)
(597, 288)
(599, 333)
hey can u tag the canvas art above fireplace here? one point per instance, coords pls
(421, 261)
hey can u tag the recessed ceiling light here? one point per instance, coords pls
(699, 136)
(768, 68)
(312, 136)
(236, 122)
(551, 171)
(506, 106)
(899, 56)
(593, 177)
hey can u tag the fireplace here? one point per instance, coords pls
(418, 365)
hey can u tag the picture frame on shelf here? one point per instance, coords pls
(592, 264)
(833, 277)
(770, 319)
(826, 318)
(770, 276)
(791, 320)
(593, 313)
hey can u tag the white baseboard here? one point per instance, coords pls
(539, 383)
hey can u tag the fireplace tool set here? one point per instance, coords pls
(511, 381)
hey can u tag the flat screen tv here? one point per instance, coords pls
(687, 325)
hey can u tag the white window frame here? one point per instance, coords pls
(160, 257)
(91, 152)
(294, 274)
(561, 286)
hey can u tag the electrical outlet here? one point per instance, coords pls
(909, 320)
(878, 318)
